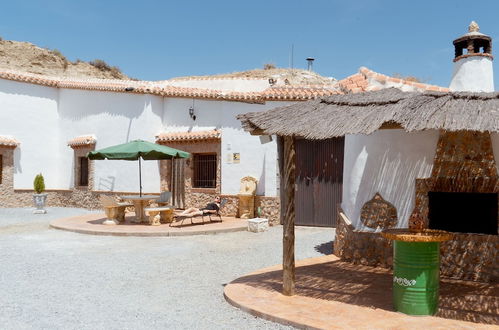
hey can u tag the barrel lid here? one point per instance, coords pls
(422, 235)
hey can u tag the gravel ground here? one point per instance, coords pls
(51, 279)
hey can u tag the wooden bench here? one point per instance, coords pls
(115, 212)
(165, 214)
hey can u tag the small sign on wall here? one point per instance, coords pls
(233, 158)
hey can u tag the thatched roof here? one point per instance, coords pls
(364, 113)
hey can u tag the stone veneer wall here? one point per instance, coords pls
(364, 248)
(464, 162)
(269, 206)
(468, 257)
(82, 151)
(90, 199)
(7, 184)
(193, 196)
(471, 257)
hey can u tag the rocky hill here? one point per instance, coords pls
(26, 57)
(286, 76)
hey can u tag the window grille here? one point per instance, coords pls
(83, 171)
(205, 171)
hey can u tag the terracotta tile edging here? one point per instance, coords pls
(59, 225)
(267, 316)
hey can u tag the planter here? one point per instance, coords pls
(40, 200)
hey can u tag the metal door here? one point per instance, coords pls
(319, 181)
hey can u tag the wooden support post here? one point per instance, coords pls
(288, 239)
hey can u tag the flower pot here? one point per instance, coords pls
(40, 200)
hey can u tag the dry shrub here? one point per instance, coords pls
(103, 66)
(408, 78)
(57, 53)
(100, 64)
(269, 66)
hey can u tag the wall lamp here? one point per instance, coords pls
(191, 113)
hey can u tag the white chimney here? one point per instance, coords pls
(473, 71)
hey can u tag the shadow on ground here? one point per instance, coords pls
(325, 248)
(372, 287)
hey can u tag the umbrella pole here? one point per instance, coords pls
(140, 178)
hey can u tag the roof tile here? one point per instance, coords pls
(82, 141)
(358, 82)
(188, 136)
(162, 88)
(8, 141)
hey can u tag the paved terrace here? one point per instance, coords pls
(54, 279)
(92, 224)
(331, 294)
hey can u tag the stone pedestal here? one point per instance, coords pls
(247, 198)
(246, 206)
(257, 225)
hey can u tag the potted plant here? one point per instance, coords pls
(39, 197)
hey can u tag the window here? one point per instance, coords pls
(205, 171)
(83, 161)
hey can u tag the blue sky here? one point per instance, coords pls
(156, 40)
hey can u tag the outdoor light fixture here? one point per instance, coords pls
(191, 113)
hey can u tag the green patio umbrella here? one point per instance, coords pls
(138, 149)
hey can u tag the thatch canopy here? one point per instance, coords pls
(364, 113)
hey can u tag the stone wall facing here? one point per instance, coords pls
(269, 206)
(193, 196)
(470, 257)
(363, 248)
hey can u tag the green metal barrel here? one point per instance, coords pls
(416, 277)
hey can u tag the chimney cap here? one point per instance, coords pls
(473, 43)
(473, 33)
(473, 27)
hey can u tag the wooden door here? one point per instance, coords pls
(319, 181)
(178, 182)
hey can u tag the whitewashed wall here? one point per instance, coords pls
(114, 118)
(473, 74)
(388, 162)
(29, 113)
(257, 159)
(44, 119)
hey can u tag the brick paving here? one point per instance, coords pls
(92, 224)
(333, 294)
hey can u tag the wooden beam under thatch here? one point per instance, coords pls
(364, 113)
(288, 230)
